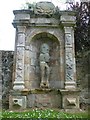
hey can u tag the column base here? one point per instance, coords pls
(18, 85)
(70, 85)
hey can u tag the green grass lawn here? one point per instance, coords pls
(47, 113)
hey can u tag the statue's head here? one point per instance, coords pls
(44, 48)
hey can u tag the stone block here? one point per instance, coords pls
(27, 57)
(20, 15)
(49, 99)
(31, 101)
(32, 54)
(56, 84)
(70, 85)
(35, 84)
(68, 17)
(33, 62)
(27, 70)
(32, 76)
(27, 84)
(70, 99)
(32, 69)
(17, 102)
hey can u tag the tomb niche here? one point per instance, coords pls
(44, 72)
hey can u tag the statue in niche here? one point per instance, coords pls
(44, 67)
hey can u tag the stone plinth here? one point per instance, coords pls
(44, 98)
(39, 98)
(70, 99)
(17, 100)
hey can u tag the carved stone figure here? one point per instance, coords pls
(44, 60)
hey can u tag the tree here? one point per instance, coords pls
(82, 30)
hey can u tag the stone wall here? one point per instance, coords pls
(6, 61)
(0, 79)
(83, 78)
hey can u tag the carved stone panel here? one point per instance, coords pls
(19, 64)
(21, 39)
(69, 66)
(68, 40)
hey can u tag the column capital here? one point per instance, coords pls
(21, 29)
(68, 18)
(68, 29)
(22, 18)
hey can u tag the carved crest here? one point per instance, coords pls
(44, 8)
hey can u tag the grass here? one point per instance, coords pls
(47, 113)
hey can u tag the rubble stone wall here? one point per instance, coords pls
(83, 78)
(6, 69)
(0, 79)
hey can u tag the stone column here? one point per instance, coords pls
(70, 95)
(20, 49)
(70, 80)
(68, 21)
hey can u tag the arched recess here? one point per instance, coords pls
(34, 43)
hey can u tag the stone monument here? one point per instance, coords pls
(44, 73)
